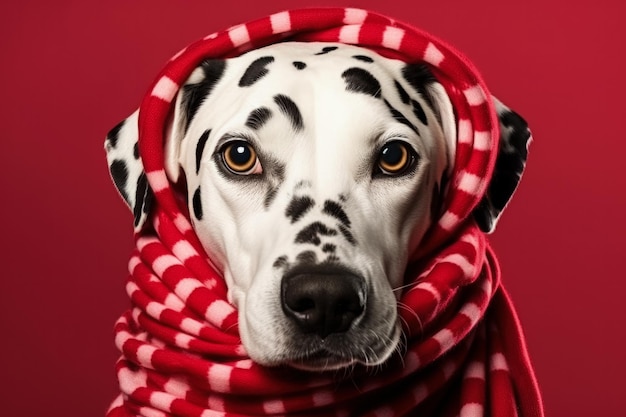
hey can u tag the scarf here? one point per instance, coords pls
(464, 353)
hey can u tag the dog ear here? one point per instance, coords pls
(126, 168)
(122, 149)
(515, 138)
(125, 165)
(513, 145)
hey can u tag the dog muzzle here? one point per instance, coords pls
(464, 353)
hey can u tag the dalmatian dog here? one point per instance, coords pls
(312, 171)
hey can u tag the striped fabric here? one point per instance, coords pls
(465, 353)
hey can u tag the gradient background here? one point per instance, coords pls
(69, 71)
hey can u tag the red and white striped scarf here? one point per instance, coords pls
(465, 353)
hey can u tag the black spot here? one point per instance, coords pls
(517, 140)
(149, 198)
(289, 108)
(255, 71)
(401, 118)
(274, 173)
(200, 148)
(195, 94)
(114, 133)
(346, 233)
(310, 234)
(136, 150)
(510, 163)
(485, 215)
(404, 96)
(298, 207)
(258, 117)
(280, 262)
(331, 259)
(343, 198)
(197, 204)
(420, 76)
(270, 195)
(299, 65)
(307, 257)
(329, 248)
(326, 50)
(119, 173)
(141, 198)
(363, 58)
(335, 210)
(302, 184)
(418, 111)
(361, 81)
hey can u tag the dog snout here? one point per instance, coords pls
(323, 304)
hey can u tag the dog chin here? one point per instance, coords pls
(322, 361)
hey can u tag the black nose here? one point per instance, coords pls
(323, 303)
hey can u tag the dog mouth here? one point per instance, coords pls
(322, 360)
(331, 355)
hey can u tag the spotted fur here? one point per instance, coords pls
(326, 50)
(200, 148)
(258, 118)
(256, 71)
(361, 81)
(313, 233)
(290, 109)
(298, 207)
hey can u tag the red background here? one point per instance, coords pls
(69, 71)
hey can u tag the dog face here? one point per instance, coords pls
(287, 162)
(312, 171)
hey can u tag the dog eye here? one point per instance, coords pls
(395, 158)
(240, 158)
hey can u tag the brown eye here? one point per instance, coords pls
(395, 157)
(239, 157)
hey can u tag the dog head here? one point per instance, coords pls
(312, 171)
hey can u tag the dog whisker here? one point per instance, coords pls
(413, 314)
(402, 343)
(229, 328)
(402, 287)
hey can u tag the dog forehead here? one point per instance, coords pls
(323, 63)
(305, 73)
